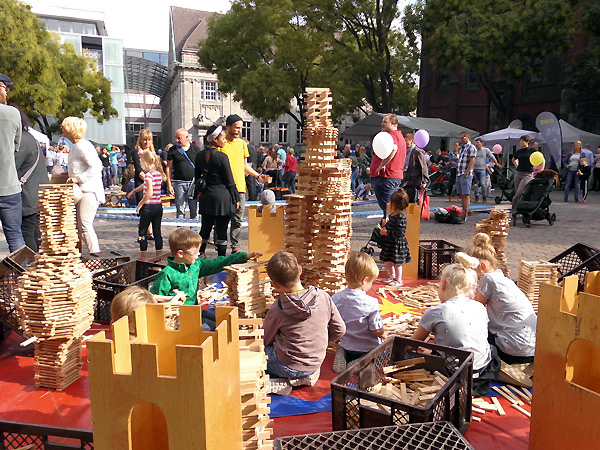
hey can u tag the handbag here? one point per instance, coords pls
(200, 182)
(424, 201)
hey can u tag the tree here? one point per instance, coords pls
(498, 39)
(50, 79)
(268, 51)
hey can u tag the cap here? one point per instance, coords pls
(267, 197)
(233, 118)
(6, 80)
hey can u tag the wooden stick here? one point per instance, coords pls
(516, 399)
(519, 393)
(31, 340)
(477, 419)
(499, 407)
(477, 410)
(518, 408)
(503, 394)
(527, 393)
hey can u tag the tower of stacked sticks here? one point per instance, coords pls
(319, 216)
(56, 299)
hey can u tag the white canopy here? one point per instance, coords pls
(508, 136)
(40, 137)
(572, 134)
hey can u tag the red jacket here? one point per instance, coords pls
(290, 164)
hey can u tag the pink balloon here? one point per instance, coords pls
(497, 149)
(421, 138)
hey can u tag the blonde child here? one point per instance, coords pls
(298, 327)
(126, 302)
(394, 247)
(360, 312)
(150, 207)
(512, 319)
(460, 322)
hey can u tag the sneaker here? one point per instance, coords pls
(308, 380)
(484, 200)
(339, 362)
(396, 283)
(388, 279)
(581, 201)
(566, 200)
(279, 386)
(448, 199)
(476, 199)
(469, 213)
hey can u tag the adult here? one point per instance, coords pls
(85, 171)
(10, 188)
(271, 166)
(452, 165)
(237, 151)
(51, 156)
(464, 171)
(480, 173)
(31, 169)
(596, 184)
(105, 159)
(289, 169)
(250, 180)
(282, 156)
(572, 167)
(114, 165)
(220, 199)
(121, 165)
(587, 153)
(363, 164)
(387, 174)
(524, 173)
(181, 168)
(409, 149)
(144, 143)
(416, 176)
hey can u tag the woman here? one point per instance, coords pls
(452, 165)
(144, 143)
(289, 174)
(524, 173)
(85, 170)
(220, 198)
(572, 166)
(271, 165)
(105, 158)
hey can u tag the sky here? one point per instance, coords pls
(141, 24)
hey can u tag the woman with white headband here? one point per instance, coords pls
(218, 197)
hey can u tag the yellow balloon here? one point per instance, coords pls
(536, 158)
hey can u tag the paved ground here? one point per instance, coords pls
(575, 223)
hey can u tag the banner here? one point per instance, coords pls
(549, 127)
(517, 124)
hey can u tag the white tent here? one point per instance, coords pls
(509, 138)
(40, 137)
(571, 134)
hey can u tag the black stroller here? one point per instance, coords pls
(506, 185)
(375, 240)
(535, 202)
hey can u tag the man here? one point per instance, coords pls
(10, 188)
(480, 174)
(250, 180)
(464, 171)
(587, 153)
(387, 174)
(417, 173)
(282, 156)
(409, 148)
(180, 165)
(237, 151)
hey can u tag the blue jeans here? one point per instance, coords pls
(10, 215)
(181, 189)
(572, 179)
(384, 188)
(275, 368)
(106, 177)
(480, 177)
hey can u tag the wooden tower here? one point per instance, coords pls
(566, 388)
(166, 389)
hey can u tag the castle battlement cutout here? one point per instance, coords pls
(166, 389)
(566, 388)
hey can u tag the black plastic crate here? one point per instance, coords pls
(422, 436)
(105, 260)
(15, 435)
(11, 268)
(110, 282)
(352, 401)
(577, 260)
(434, 255)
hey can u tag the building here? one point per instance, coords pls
(86, 30)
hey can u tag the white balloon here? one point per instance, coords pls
(383, 144)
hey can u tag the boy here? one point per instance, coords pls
(184, 269)
(360, 312)
(298, 327)
(126, 302)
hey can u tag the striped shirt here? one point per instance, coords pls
(156, 178)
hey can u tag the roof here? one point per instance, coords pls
(189, 26)
(146, 76)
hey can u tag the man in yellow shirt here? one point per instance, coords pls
(237, 151)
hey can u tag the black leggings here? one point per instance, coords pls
(220, 223)
(150, 214)
(451, 182)
(508, 359)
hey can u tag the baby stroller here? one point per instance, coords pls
(376, 240)
(535, 202)
(506, 185)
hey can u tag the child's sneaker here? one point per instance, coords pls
(308, 380)
(396, 283)
(279, 386)
(339, 362)
(388, 279)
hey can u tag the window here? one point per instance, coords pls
(298, 134)
(209, 90)
(283, 133)
(135, 127)
(471, 80)
(441, 79)
(246, 129)
(264, 132)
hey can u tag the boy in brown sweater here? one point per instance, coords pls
(298, 327)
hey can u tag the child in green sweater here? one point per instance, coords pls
(184, 269)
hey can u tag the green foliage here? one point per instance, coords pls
(50, 80)
(268, 51)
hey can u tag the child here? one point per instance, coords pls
(584, 171)
(460, 322)
(394, 246)
(267, 198)
(150, 207)
(298, 327)
(184, 269)
(360, 312)
(512, 320)
(126, 302)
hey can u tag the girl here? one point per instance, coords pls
(512, 320)
(394, 248)
(460, 322)
(150, 207)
